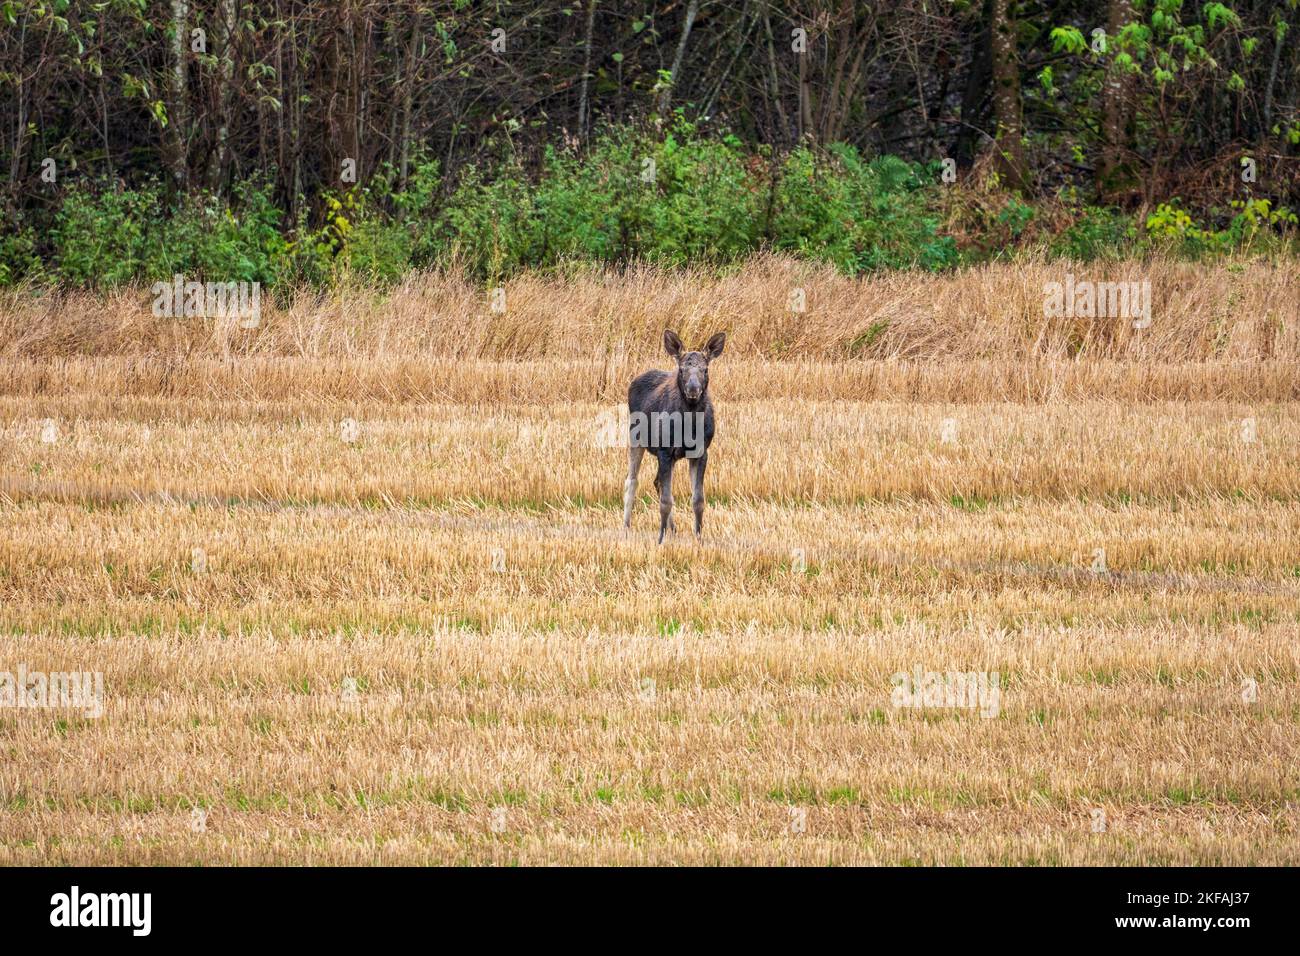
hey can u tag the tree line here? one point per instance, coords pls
(1130, 101)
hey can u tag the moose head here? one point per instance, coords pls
(693, 367)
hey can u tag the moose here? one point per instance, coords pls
(671, 416)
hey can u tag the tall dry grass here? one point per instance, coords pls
(1225, 331)
(1223, 311)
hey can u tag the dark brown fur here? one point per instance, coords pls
(679, 403)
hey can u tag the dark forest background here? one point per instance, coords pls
(290, 141)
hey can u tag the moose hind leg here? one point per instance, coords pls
(634, 456)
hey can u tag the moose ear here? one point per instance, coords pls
(672, 343)
(713, 348)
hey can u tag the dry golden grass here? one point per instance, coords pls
(532, 685)
(1225, 311)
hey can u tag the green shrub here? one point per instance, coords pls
(595, 208)
(674, 197)
(706, 204)
(356, 239)
(488, 221)
(236, 242)
(861, 216)
(18, 254)
(1097, 233)
(106, 237)
(378, 250)
(1255, 221)
(672, 200)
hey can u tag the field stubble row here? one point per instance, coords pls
(430, 640)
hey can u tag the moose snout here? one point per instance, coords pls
(694, 388)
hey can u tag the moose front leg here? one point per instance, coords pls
(697, 490)
(634, 455)
(664, 482)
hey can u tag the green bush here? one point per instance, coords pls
(592, 209)
(236, 242)
(861, 216)
(672, 200)
(1256, 222)
(706, 205)
(18, 254)
(1098, 233)
(674, 197)
(378, 250)
(488, 221)
(106, 237)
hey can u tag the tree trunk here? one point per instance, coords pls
(850, 41)
(1114, 172)
(774, 82)
(666, 94)
(807, 127)
(973, 99)
(20, 122)
(744, 32)
(177, 109)
(408, 88)
(1006, 96)
(586, 69)
(1278, 40)
(227, 23)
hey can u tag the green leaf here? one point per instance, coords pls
(1217, 13)
(1068, 39)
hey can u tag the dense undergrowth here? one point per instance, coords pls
(671, 198)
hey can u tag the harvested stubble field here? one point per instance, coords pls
(434, 644)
